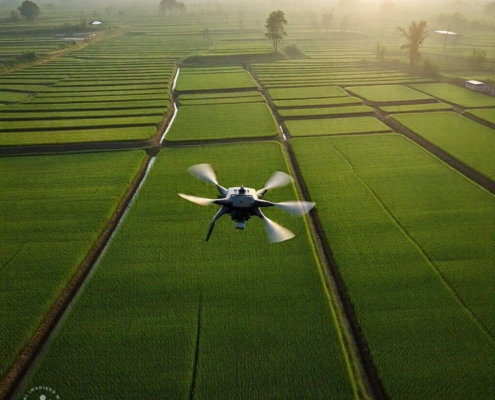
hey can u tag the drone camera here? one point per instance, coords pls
(240, 224)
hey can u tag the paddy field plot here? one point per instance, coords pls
(487, 114)
(417, 107)
(389, 94)
(222, 121)
(466, 140)
(246, 317)
(52, 210)
(220, 98)
(194, 79)
(332, 126)
(317, 102)
(455, 94)
(306, 93)
(325, 111)
(413, 240)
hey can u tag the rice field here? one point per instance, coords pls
(333, 126)
(259, 320)
(222, 121)
(166, 314)
(414, 242)
(456, 95)
(194, 79)
(468, 141)
(389, 94)
(53, 210)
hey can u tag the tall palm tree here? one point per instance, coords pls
(415, 35)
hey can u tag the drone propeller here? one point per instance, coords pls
(278, 179)
(198, 200)
(295, 207)
(206, 173)
(276, 233)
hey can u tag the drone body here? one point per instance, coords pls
(241, 203)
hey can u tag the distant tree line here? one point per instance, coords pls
(172, 6)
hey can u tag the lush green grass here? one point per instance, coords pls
(223, 121)
(222, 100)
(317, 111)
(485, 114)
(214, 81)
(54, 124)
(455, 94)
(306, 92)
(265, 330)
(144, 132)
(468, 141)
(53, 208)
(417, 107)
(319, 102)
(388, 93)
(332, 126)
(413, 240)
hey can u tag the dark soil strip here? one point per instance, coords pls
(196, 351)
(354, 340)
(16, 373)
(469, 172)
(73, 148)
(335, 284)
(203, 142)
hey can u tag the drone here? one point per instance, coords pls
(241, 203)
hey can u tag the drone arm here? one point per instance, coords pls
(220, 212)
(222, 190)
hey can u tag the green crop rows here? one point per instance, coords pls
(457, 95)
(265, 324)
(332, 126)
(53, 209)
(414, 242)
(198, 80)
(222, 121)
(389, 93)
(468, 141)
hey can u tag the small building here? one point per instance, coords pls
(477, 86)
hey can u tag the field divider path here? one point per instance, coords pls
(423, 253)
(458, 165)
(453, 162)
(362, 370)
(26, 360)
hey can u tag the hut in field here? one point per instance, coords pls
(446, 37)
(477, 86)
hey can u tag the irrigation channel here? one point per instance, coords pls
(362, 366)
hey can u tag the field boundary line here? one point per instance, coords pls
(450, 160)
(423, 253)
(362, 371)
(10, 382)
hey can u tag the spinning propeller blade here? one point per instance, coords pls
(204, 172)
(198, 200)
(278, 179)
(295, 207)
(276, 233)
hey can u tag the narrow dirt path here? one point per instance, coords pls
(363, 370)
(18, 370)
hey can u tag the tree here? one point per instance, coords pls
(172, 6)
(326, 19)
(275, 27)
(29, 10)
(477, 59)
(490, 8)
(344, 23)
(415, 35)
